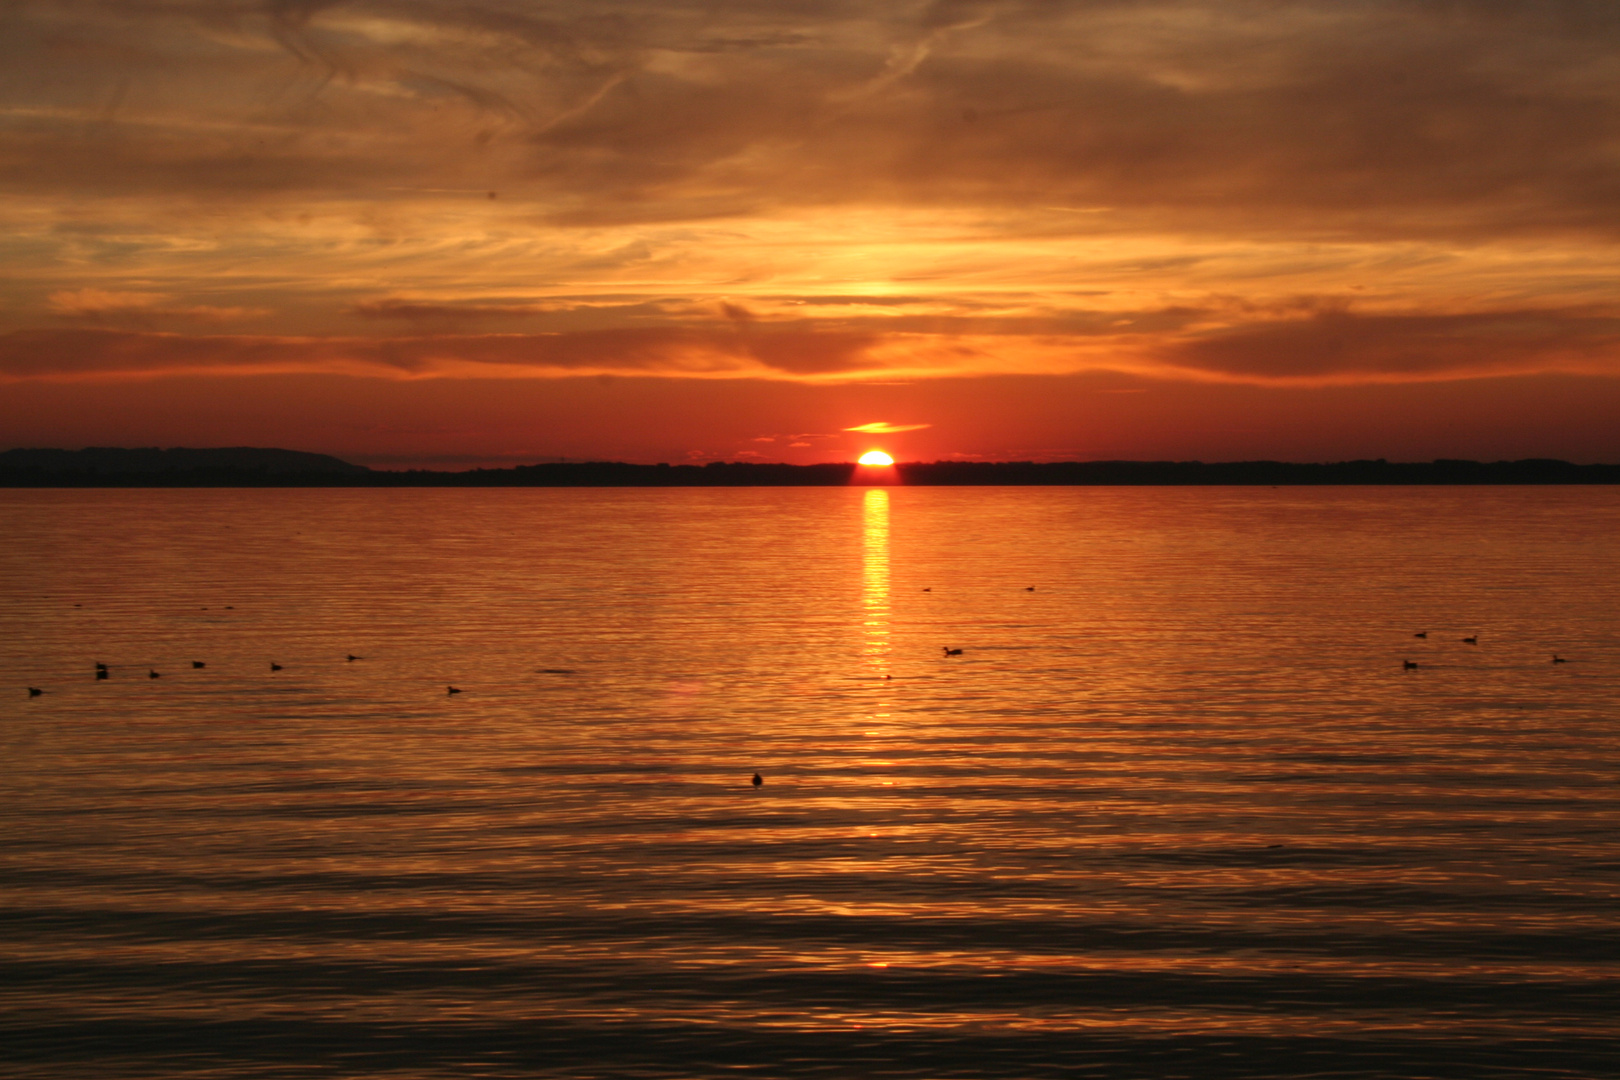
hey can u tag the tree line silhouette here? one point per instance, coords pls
(261, 467)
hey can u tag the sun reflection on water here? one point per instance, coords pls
(875, 619)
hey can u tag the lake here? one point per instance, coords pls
(1178, 808)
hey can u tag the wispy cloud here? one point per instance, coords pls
(881, 428)
(1345, 346)
(423, 311)
(140, 308)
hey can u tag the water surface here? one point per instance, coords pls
(1177, 809)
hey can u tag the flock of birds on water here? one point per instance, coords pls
(1472, 639)
(103, 672)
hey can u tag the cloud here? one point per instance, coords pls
(1341, 344)
(102, 301)
(882, 428)
(105, 305)
(427, 311)
(1304, 342)
(1405, 117)
(670, 352)
(810, 192)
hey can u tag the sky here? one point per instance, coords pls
(456, 233)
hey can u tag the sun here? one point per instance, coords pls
(876, 457)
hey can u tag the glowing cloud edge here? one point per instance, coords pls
(881, 427)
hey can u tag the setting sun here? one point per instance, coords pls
(876, 457)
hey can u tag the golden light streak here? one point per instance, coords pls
(875, 614)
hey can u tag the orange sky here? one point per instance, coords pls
(450, 233)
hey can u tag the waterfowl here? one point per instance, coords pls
(451, 690)
(195, 664)
(34, 691)
(353, 658)
(758, 780)
(1421, 633)
(150, 674)
(951, 652)
(1408, 665)
(1471, 640)
(1559, 659)
(274, 666)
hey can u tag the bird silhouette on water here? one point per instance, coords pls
(195, 664)
(353, 658)
(951, 652)
(1029, 588)
(1471, 640)
(101, 670)
(34, 691)
(150, 674)
(758, 780)
(1421, 633)
(451, 690)
(1559, 659)
(1408, 665)
(274, 666)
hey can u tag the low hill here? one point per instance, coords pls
(175, 464)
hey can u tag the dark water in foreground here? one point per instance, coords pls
(1177, 812)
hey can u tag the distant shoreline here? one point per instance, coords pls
(108, 467)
